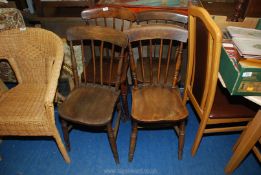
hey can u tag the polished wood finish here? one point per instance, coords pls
(93, 103)
(154, 100)
(216, 109)
(161, 17)
(253, 9)
(133, 139)
(119, 19)
(220, 8)
(247, 141)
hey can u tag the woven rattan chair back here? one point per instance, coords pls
(36, 56)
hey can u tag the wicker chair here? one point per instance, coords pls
(36, 56)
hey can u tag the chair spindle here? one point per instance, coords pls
(74, 66)
(93, 60)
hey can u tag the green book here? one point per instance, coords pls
(258, 25)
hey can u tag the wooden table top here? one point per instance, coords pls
(180, 6)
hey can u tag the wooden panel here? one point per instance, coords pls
(254, 9)
(56, 8)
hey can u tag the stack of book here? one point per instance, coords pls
(247, 41)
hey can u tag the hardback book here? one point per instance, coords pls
(248, 47)
(247, 41)
(241, 32)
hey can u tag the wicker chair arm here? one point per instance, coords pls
(54, 74)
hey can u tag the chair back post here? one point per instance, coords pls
(133, 66)
(178, 64)
(74, 66)
(120, 67)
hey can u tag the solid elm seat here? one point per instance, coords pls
(81, 105)
(146, 107)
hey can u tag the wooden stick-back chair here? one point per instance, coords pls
(118, 19)
(93, 103)
(154, 100)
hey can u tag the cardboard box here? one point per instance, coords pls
(241, 76)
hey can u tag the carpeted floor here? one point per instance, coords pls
(156, 154)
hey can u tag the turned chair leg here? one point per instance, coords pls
(112, 143)
(133, 140)
(124, 92)
(181, 139)
(66, 134)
